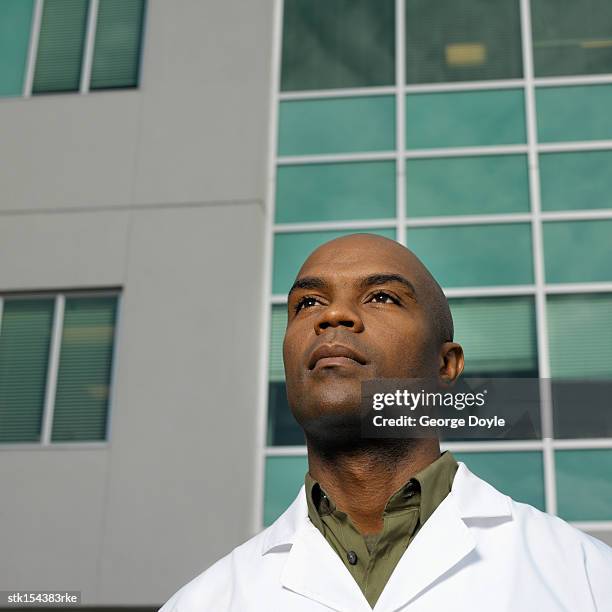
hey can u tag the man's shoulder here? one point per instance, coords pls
(534, 528)
(218, 583)
(215, 584)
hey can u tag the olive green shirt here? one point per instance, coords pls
(371, 559)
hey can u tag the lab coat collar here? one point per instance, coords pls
(440, 548)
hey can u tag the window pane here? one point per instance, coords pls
(517, 474)
(571, 37)
(580, 341)
(498, 335)
(283, 429)
(584, 486)
(574, 113)
(475, 255)
(15, 21)
(465, 119)
(25, 335)
(284, 477)
(327, 192)
(563, 185)
(578, 251)
(338, 125)
(292, 249)
(60, 46)
(467, 185)
(462, 40)
(329, 44)
(116, 55)
(81, 400)
(580, 335)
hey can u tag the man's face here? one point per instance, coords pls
(352, 309)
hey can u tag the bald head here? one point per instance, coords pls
(363, 246)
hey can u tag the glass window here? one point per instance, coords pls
(292, 249)
(571, 37)
(327, 192)
(584, 486)
(283, 429)
(563, 185)
(25, 335)
(475, 255)
(498, 335)
(517, 474)
(283, 480)
(465, 119)
(578, 251)
(462, 40)
(83, 381)
(116, 55)
(574, 113)
(337, 125)
(60, 46)
(580, 341)
(329, 44)
(467, 185)
(15, 21)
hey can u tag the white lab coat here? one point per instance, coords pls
(480, 551)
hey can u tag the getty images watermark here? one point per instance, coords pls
(471, 408)
(37, 599)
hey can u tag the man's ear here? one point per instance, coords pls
(451, 361)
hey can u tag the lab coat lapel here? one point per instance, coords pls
(313, 569)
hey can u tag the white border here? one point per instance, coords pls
(90, 40)
(28, 81)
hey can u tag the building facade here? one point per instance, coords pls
(166, 169)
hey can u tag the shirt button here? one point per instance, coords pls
(352, 557)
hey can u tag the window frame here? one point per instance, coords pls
(57, 325)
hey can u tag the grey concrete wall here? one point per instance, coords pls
(159, 191)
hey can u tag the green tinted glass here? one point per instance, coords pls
(571, 37)
(580, 335)
(563, 184)
(116, 55)
(584, 486)
(337, 125)
(329, 44)
(578, 251)
(467, 185)
(462, 40)
(15, 21)
(60, 46)
(328, 192)
(25, 335)
(292, 249)
(284, 477)
(475, 255)
(81, 399)
(574, 113)
(278, 323)
(465, 119)
(517, 474)
(484, 325)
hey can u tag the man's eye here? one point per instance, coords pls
(386, 296)
(303, 303)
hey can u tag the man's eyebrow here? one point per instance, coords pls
(373, 280)
(308, 282)
(382, 279)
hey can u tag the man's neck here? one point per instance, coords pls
(361, 484)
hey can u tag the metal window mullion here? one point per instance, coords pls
(90, 39)
(52, 369)
(261, 424)
(400, 120)
(33, 48)
(546, 415)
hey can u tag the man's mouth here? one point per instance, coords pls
(334, 354)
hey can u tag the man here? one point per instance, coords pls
(390, 524)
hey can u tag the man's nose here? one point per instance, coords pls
(338, 314)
